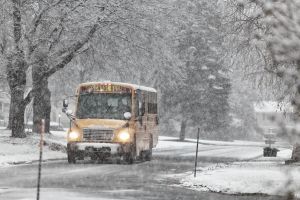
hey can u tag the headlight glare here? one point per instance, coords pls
(124, 136)
(73, 135)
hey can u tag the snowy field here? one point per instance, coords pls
(16, 150)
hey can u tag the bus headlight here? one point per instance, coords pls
(73, 135)
(124, 136)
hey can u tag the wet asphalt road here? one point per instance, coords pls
(88, 181)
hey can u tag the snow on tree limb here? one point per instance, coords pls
(75, 48)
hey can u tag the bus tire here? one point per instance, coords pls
(129, 159)
(130, 156)
(148, 155)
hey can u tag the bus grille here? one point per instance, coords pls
(97, 135)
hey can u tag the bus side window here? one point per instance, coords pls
(152, 108)
(152, 105)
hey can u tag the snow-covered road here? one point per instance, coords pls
(14, 150)
(173, 161)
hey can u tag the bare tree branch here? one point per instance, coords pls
(72, 51)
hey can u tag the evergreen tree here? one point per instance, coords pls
(206, 89)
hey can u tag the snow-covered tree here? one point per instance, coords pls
(274, 28)
(48, 36)
(200, 46)
(141, 54)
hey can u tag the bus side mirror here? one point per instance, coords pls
(65, 103)
(127, 115)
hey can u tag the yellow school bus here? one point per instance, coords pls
(112, 119)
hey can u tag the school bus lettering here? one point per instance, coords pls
(103, 88)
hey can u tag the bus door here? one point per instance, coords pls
(152, 119)
(142, 121)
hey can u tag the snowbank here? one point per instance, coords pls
(246, 178)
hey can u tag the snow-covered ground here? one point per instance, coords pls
(251, 173)
(262, 177)
(16, 150)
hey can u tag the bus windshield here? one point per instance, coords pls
(103, 105)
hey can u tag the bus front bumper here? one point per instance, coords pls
(82, 149)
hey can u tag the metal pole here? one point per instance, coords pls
(196, 159)
(59, 120)
(42, 130)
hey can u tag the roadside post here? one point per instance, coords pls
(42, 130)
(59, 116)
(196, 158)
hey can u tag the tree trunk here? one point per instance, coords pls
(41, 93)
(182, 130)
(17, 111)
(10, 117)
(41, 105)
(16, 78)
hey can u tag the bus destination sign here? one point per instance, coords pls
(106, 88)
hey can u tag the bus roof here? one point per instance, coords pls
(134, 86)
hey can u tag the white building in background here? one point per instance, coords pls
(4, 108)
(271, 116)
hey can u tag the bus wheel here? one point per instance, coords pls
(148, 155)
(129, 158)
(118, 161)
